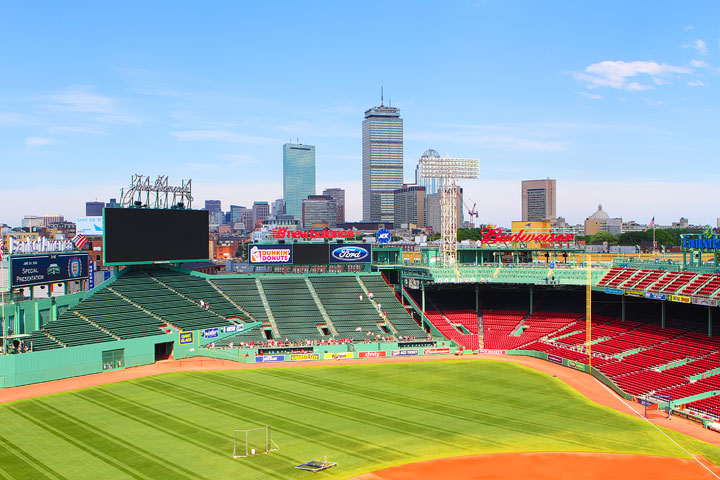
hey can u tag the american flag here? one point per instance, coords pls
(2, 246)
(652, 223)
(79, 241)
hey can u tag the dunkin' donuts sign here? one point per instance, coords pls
(270, 254)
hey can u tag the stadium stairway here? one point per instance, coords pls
(398, 317)
(168, 323)
(323, 311)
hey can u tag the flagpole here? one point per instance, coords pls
(653, 234)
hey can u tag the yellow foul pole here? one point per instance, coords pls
(588, 311)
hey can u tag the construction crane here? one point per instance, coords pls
(449, 171)
(472, 212)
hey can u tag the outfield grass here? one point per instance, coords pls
(364, 417)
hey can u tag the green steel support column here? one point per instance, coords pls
(53, 311)
(36, 323)
(710, 321)
(422, 289)
(662, 315)
(477, 300)
(402, 299)
(16, 320)
(532, 290)
(622, 302)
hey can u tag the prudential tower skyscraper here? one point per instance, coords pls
(382, 162)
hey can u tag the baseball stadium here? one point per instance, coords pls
(520, 357)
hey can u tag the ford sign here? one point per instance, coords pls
(350, 254)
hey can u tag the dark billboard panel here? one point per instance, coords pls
(28, 270)
(350, 253)
(270, 254)
(310, 254)
(142, 235)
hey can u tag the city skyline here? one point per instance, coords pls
(618, 107)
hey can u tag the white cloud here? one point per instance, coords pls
(619, 74)
(593, 96)
(696, 83)
(220, 136)
(700, 46)
(688, 28)
(83, 100)
(37, 141)
(698, 63)
(654, 103)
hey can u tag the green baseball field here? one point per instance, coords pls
(364, 417)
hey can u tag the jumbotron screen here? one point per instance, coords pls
(310, 254)
(141, 235)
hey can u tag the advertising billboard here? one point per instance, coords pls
(267, 254)
(146, 235)
(89, 226)
(28, 270)
(350, 253)
(310, 254)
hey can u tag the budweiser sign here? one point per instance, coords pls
(494, 235)
(282, 233)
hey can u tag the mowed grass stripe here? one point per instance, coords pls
(510, 420)
(29, 466)
(214, 443)
(130, 459)
(354, 413)
(478, 417)
(325, 436)
(69, 437)
(580, 437)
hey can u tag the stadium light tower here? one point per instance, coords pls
(449, 171)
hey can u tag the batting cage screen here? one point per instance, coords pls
(255, 441)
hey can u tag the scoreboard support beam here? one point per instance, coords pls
(622, 309)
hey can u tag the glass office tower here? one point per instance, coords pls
(298, 176)
(382, 162)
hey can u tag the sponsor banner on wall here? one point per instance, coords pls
(338, 356)
(655, 296)
(679, 298)
(435, 351)
(265, 254)
(614, 291)
(304, 356)
(555, 358)
(187, 338)
(211, 332)
(492, 352)
(371, 354)
(692, 418)
(704, 301)
(577, 365)
(269, 358)
(404, 353)
(350, 253)
(233, 328)
(634, 293)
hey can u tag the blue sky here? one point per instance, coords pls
(618, 101)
